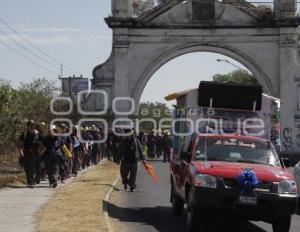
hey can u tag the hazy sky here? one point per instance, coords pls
(74, 33)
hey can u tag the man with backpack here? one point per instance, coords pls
(53, 154)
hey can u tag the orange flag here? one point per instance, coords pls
(150, 170)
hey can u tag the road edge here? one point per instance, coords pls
(105, 208)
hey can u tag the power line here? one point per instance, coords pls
(37, 48)
(27, 58)
(28, 50)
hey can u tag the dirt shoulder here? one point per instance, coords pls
(78, 205)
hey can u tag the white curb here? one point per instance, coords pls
(106, 199)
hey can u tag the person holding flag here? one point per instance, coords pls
(129, 153)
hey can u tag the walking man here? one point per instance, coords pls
(53, 155)
(159, 144)
(151, 140)
(166, 145)
(76, 152)
(130, 152)
(28, 147)
(68, 142)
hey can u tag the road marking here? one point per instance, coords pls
(106, 199)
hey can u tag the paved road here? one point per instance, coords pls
(148, 209)
(19, 205)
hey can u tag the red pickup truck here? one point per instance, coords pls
(232, 175)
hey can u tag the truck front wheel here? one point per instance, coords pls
(197, 221)
(282, 223)
(177, 202)
(192, 219)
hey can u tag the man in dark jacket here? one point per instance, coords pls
(166, 146)
(28, 146)
(159, 144)
(130, 152)
(151, 141)
(53, 155)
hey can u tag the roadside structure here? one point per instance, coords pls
(262, 39)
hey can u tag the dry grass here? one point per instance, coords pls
(78, 205)
(10, 170)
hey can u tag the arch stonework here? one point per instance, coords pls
(266, 46)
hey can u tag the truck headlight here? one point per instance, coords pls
(287, 186)
(206, 181)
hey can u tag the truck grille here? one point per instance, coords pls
(262, 186)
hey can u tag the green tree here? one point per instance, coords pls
(237, 76)
(34, 98)
(7, 115)
(29, 101)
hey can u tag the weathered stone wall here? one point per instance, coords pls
(266, 46)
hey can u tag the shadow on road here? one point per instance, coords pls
(162, 219)
(25, 187)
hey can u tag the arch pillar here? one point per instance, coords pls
(121, 77)
(288, 90)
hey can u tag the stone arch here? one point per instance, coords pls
(264, 43)
(175, 52)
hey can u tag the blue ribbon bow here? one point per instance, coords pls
(247, 181)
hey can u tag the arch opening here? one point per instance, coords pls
(241, 59)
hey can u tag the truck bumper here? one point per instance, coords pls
(224, 202)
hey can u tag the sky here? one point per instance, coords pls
(73, 32)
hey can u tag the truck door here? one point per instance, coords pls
(185, 159)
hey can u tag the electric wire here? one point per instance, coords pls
(28, 50)
(28, 58)
(37, 48)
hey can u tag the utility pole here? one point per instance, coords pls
(68, 89)
(61, 70)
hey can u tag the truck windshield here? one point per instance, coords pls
(236, 150)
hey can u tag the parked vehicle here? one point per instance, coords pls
(297, 177)
(232, 175)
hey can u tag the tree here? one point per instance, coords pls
(34, 99)
(29, 101)
(237, 76)
(7, 115)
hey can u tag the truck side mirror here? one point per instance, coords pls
(286, 162)
(277, 148)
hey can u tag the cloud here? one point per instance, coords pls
(55, 40)
(94, 39)
(55, 30)
(56, 36)
(12, 39)
(50, 29)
